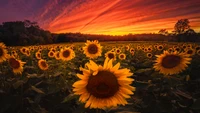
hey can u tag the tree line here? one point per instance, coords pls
(29, 33)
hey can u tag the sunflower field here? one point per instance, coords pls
(100, 77)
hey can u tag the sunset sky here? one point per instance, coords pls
(114, 17)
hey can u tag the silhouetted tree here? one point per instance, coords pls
(23, 33)
(163, 32)
(181, 26)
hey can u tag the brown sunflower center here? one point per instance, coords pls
(39, 55)
(103, 85)
(57, 55)
(1, 51)
(51, 53)
(189, 52)
(23, 50)
(160, 47)
(44, 64)
(92, 49)
(171, 61)
(121, 56)
(14, 63)
(149, 55)
(197, 48)
(111, 55)
(66, 53)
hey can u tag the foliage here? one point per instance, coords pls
(23, 33)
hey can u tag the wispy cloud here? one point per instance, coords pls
(110, 16)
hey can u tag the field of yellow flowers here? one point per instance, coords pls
(101, 77)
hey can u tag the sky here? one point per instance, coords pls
(110, 17)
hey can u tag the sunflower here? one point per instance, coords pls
(145, 49)
(42, 64)
(190, 51)
(104, 86)
(23, 50)
(132, 50)
(3, 52)
(66, 54)
(57, 55)
(14, 53)
(149, 49)
(184, 46)
(149, 55)
(160, 47)
(117, 50)
(127, 47)
(122, 56)
(16, 65)
(38, 55)
(110, 55)
(170, 49)
(53, 49)
(51, 54)
(198, 52)
(113, 50)
(92, 49)
(177, 49)
(171, 63)
(138, 47)
(27, 52)
(197, 48)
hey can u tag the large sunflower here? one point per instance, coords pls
(3, 52)
(16, 65)
(66, 54)
(92, 49)
(42, 64)
(171, 63)
(103, 86)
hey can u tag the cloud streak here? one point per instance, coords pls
(109, 17)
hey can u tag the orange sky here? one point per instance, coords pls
(113, 17)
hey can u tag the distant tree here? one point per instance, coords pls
(181, 26)
(23, 33)
(163, 32)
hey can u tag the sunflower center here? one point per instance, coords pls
(110, 55)
(51, 54)
(14, 63)
(66, 54)
(92, 49)
(103, 85)
(160, 47)
(189, 52)
(1, 52)
(121, 56)
(43, 64)
(57, 55)
(23, 50)
(171, 61)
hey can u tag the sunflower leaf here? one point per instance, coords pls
(18, 84)
(37, 90)
(69, 97)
